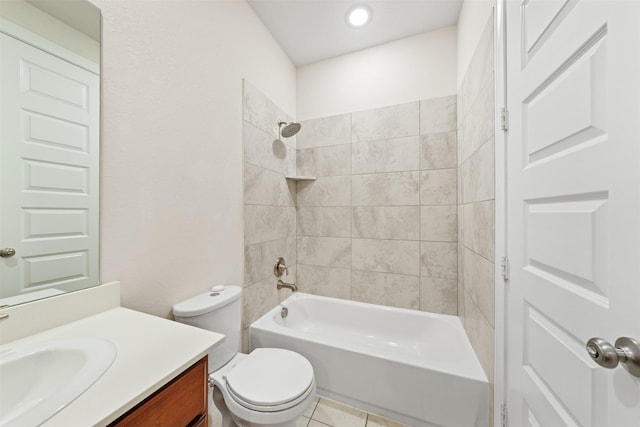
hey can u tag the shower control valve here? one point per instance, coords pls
(280, 268)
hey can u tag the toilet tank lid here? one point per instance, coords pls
(206, 302)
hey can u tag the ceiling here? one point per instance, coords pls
(313, 30)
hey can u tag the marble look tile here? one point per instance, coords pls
(387, 155)
(461, 303)
(461, 250)
(390, 189)
(261, 111)
(479, 283)
(324, 161)
(314, 423)
(461, 291)
(439, 295)
(461, 226)
(291, 141)
(438, 187)
(261, 149)
(265, 187)
(376, 421)
(324, 281)
(479, 124)
(336, 414)
(479, 226)
(302, 422)
(439, 260)
(459, 184)
(325, 251)
(257, 299)
(478, 175)
(244, 344)
(438, 151)
(438, 115)
(481, 334)
(386, 222)
(259, 258)
(386, 122)
(395, 290)
(386, 256)
(324, 221)
(439, 223)
(479, 70)
(325, 191)
(264, 223)
(325, 131)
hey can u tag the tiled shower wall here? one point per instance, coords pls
(476, 124)
(269, 203)
(379, 224)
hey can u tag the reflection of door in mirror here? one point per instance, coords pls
(49, 163)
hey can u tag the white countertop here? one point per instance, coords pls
(151, 351)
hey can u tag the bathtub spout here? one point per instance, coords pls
(291, 286)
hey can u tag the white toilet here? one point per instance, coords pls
(268, 387)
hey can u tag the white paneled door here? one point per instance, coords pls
(573, 206)
(49, 159)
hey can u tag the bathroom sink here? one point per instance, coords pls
(38, 379)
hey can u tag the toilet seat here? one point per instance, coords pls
(270, 380)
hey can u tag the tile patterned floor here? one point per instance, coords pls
(328, 413)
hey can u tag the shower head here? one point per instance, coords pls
(287, 130)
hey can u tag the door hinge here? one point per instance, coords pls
(504, 267)
(504, 119)
(504, 414)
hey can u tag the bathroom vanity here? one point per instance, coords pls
(182, 402)
(158, 373)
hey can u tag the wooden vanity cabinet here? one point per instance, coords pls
(181, 402)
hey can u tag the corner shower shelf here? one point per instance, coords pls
(300, 178)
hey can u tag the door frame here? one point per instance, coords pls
(501, 223)
(19, 33)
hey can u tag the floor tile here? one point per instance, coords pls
(338, 415)
(314, 423)
(376, 421)
(302, 422)
(309, 412)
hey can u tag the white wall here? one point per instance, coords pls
(417, 67)
(172, 192)
(471, 22)
(46, 26)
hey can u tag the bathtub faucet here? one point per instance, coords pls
(291, 286)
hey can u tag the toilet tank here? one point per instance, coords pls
(218, 311)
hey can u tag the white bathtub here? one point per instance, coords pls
(415, 367)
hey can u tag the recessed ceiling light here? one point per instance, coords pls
(359, 16)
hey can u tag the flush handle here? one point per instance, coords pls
(7, 252)
(625, 351)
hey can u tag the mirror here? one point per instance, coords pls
(49, 148)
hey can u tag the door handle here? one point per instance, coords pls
(626, 351)
(7, 252)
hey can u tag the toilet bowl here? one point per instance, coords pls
(268, 387)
